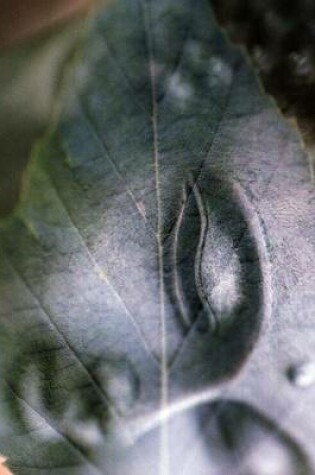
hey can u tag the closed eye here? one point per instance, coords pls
(220, 276)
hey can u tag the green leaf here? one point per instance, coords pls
(168, 222)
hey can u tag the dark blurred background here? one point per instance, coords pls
(37, 37)
(279, 36)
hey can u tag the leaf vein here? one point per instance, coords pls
(102, 275)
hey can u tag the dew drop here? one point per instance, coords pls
(302, 375)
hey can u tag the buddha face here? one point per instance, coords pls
(166, 234)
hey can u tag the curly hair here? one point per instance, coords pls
(280, 38)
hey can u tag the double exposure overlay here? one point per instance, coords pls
(157, 277)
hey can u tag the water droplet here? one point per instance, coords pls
(302, 375)
(220, 72)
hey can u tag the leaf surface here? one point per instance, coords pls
(152, 248)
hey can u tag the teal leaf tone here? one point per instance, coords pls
(164, 243)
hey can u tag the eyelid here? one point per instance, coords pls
(231, 278)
